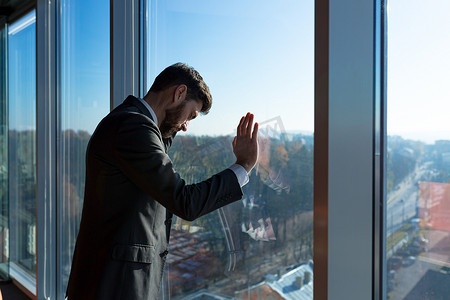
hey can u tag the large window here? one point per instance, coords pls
(85, 100)
(22, 148)
(255, 57)
(418, 158)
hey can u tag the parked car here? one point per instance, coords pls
(410, 260)
(394, 263)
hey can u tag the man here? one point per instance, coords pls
(132, 189)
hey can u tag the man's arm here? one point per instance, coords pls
(140, 154)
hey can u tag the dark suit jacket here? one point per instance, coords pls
(130, 182)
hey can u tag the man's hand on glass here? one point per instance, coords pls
(245, 143)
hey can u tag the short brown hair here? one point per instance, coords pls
(181, 73)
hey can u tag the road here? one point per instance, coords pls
(402, 203)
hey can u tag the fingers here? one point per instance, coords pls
(249, 124)
(245, 127)
(240, 126)
(255, 132)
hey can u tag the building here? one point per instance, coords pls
(297, 284)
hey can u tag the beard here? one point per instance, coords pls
(171, 123)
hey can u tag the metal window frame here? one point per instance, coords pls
(380, 151)
(144, 18)
(350, 133)
(4, 266)
(126, 28)
(321, 132)
(47, 97)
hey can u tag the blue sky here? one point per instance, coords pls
(85, 63)
(418, 69)
(255, 56)
(22, 81)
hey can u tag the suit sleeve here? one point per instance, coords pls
(140, 155)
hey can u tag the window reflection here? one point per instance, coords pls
(418, 158)
(85, 100)
(22, 143)
(265, 238)
(256, 58)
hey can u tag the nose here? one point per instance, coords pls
(184, 126)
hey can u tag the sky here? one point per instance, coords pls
(85, 63)
(22, 82)
(418, 100)
(255, 56)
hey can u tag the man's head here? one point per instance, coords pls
(190, 95)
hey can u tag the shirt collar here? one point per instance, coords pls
(150, 110)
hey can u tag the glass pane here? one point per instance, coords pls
(85, 100)
(418, 158)
(255, 56)
(4, 212)
(22, 142)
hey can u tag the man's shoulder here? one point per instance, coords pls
(130, 115)
(127, 124)
(126, 121)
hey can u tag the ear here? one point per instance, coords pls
(180, 93)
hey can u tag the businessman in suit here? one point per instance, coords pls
(132, 189)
